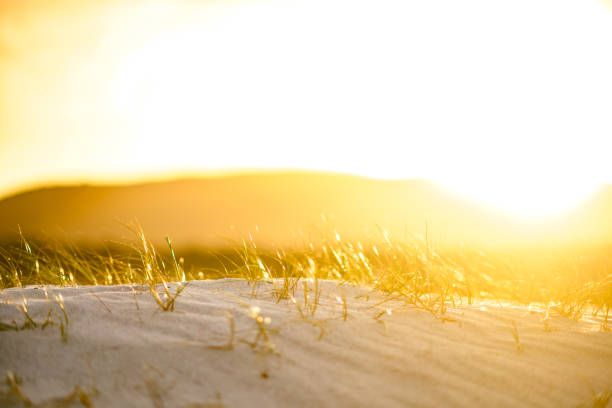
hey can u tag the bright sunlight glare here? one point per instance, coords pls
(505, 102)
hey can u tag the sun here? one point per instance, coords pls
(533, 198)
(512, 128)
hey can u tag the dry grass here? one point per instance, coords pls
(568, 280)
(14, 395)
(53, 318)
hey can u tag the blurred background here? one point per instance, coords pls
(474, 121)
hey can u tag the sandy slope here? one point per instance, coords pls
(135, 355)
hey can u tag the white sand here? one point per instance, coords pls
(136, 355)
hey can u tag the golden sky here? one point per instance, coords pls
(509, 102)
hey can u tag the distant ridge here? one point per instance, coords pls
(283, 208)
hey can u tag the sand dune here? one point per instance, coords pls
(120, 344)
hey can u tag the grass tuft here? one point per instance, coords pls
(571, 280)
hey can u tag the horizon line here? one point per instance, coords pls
(160, 177)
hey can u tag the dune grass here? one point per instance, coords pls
(55, 317)
(15, 395)
(569, 280)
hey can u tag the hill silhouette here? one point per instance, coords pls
(283, 209)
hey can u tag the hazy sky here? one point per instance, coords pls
(494, 98)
